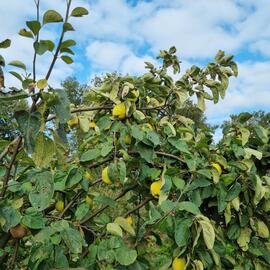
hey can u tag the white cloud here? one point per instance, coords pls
(107, 55)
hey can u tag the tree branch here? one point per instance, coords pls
(142, 204)
(7, 175)
(59, 43)
(6, 150)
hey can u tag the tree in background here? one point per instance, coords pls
(75, 90)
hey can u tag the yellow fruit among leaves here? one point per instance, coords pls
(119, 111)
(217, 167)
(155, 188)
(127, 139)
(129, 220)
(89, 200)
(88, 176)
(59, 206)
(179, 264)
(105, 176)
(92, 125)
(73, 122)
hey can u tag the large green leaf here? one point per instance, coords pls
(73, 240)
(62, 107)
(41, 195)
(182, 231)
(9, 217)
(44, 151)
(29, 124)
(125, 256)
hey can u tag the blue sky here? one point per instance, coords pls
(119, 35)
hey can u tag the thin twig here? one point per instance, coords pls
(59, 43)
(142, 204)
(14, 256)
(10, 165)
(6, 150)
(89, 109)
(169, 155)
(123, 193)
(36, 40)
(71, 203)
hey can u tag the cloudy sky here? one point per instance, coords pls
(119, 35)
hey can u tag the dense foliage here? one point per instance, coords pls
(143, 187)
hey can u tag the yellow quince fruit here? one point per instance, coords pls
(105, 176)
(73, 122)
(119, 111)
(155, 188)
(217, 167)
(89, 200)
(129, 220)
(92, 125)
(127, 139)
(59, 206)
(179, 264)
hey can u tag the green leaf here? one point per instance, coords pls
(66, 50)
(13, 97)
(34, 26)
(189, 207)
(244, 238)
(233, 192)
(79, 12)
(17, 75)
(68, 27)
(44, 151)
(102, 199)
(29, 124)
(114, 229)
(81, 211)
(67, 59)
(146, 152)
(40, 48)
(125, 225)
(125, 256)
(5, 44)
(90, 155)
(201, 102)
(73, 240)
(33, 220)
(41, 195)
(41, 84)
(52, 16)
(23, 32)
(2, 61)
(179, 144)
(9, 217)
(68, 43)
(182, 231)
(252, 152)
(245, 135)
(62, 107)
(208, 231)
(18, 64)
(262, 133)
(122, 171)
